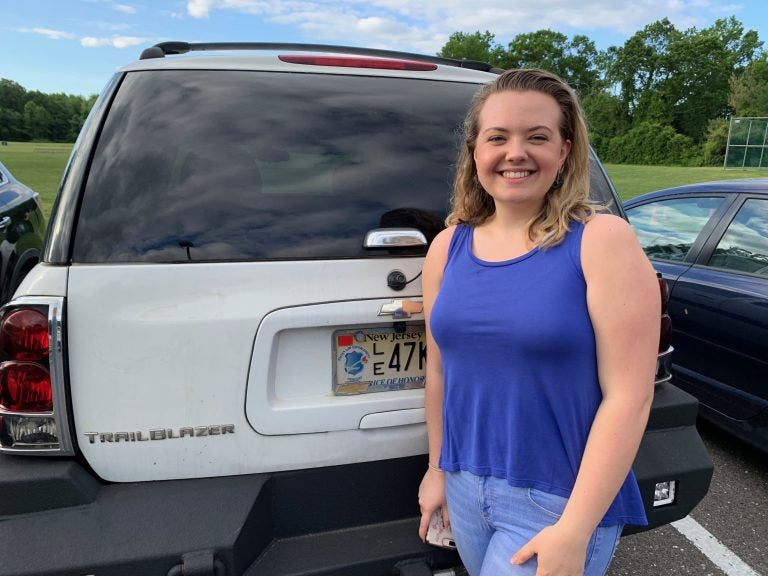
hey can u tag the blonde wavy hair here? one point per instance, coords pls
(472, 205)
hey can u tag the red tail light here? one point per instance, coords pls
(24, 335)
(25, 387)
(664, 288)
(33, 415)
(665, 337)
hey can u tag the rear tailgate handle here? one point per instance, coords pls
(394, 238)
(392, 418)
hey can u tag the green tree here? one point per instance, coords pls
(37, 121)
(13, 96)
(35, 115)
(749, 89)
(573, 60)
(12, 99)
(704, 61)
(715, 143)
(479, 46)
(654, 144)
(11, 125)
(605, 118)
(60, 108)
(642, 66)
(680, 78)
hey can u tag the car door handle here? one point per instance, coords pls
(5, 221)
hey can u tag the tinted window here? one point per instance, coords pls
(233, 165)
(668, 228)
(744, 246)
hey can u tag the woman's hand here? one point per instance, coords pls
(431, 497)
(558, 551)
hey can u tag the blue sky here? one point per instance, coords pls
(74, 46)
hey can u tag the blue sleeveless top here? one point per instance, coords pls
(520, 367)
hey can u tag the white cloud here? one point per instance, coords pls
(52, 34)
(114, 41)
(427, 24)
(199, 8)
(124, 8)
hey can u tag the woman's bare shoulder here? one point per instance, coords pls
(442, 241)
(603, 223)
(610, 243)
(604, 230)
(437, 255)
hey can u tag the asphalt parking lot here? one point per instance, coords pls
(726, 535)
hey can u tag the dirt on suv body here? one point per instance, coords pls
(224, 342)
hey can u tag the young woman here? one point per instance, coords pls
(543, 326)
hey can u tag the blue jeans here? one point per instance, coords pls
(492, 520)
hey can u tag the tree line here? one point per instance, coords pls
(664, 97)
(32, 115)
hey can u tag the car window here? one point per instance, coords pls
(667, 229)
(744, 246)
(224, 165)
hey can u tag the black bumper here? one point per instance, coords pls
(671, 449)
(57, 519)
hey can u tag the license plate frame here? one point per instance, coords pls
(372, 359)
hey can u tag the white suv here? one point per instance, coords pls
(230, 300)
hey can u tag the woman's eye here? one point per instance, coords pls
(539, 138)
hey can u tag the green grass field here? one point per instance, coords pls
(38, 165)
(41, 165)
(630, 180)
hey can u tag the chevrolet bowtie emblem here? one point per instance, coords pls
(400, 309)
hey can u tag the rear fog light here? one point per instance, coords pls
(664, 493)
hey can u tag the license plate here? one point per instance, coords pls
(378, 359)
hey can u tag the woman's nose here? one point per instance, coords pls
(515, 149)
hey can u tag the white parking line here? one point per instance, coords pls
(712, 548)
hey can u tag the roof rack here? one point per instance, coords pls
(166, 48)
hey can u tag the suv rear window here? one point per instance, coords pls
(234, 165)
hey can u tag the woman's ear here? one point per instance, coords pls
(565, 149)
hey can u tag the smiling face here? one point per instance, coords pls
(519, 148)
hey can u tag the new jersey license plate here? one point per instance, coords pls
(378, 359)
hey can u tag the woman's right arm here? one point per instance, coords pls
(432, 488)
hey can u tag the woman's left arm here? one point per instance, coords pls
(624, 305)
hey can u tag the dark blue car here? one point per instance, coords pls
(22, 227)
(710, 242)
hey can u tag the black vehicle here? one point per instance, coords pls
(710, 242)
(22, 227)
